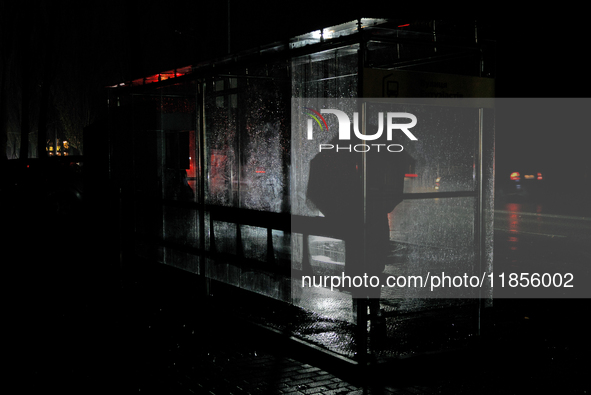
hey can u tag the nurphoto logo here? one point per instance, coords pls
(345, 129)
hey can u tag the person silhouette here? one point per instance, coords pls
(355, 191)
(355, 188)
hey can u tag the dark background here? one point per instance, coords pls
(79, 48)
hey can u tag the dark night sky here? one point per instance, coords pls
(539, 54)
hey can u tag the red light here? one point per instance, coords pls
(539, 176)
(410, 175)
(515, 176)
(408, 24)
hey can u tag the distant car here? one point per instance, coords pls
(522, 182)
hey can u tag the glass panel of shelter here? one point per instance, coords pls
(247, 151)
(176, 162)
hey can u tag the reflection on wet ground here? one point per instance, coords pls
(407, 326)
(324, 318)
(516, 221)
(524, 240)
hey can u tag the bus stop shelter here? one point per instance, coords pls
(205, 169)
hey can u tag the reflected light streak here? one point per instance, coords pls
(513, 219)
